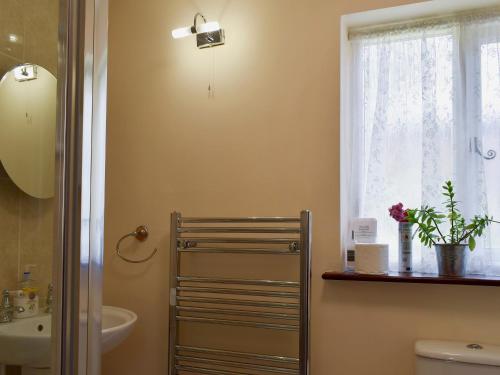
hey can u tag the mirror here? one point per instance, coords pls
(28, 128)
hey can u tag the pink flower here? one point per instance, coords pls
(398, 213)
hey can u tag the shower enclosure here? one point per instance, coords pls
(52, 139)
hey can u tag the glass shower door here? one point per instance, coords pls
(52, 137)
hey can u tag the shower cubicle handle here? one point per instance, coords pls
(141, 234)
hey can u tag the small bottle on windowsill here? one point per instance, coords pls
(405, 247)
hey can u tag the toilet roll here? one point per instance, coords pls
(372, 258)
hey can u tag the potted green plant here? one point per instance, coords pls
(451, 246)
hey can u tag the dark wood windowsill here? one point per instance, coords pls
(415, 278)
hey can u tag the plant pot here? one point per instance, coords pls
(451, 259)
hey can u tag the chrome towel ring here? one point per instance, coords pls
(141, 233)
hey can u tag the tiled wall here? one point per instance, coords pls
(26, 234)
(9, 237)
(26, 223)
(35, 23)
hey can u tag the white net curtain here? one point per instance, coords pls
(425, 108)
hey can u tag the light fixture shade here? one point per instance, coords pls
(13, 38)
(25, 72)
(208, 27)
(181, 32)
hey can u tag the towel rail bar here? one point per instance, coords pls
(239, 251)
(242, 292)
(229, 353)
(206, 371)
(238, 240)
(256, 314)
(240, 323)
(237, 365)
(188, 220)
(214, 280)
(238, 230)
(239, 302)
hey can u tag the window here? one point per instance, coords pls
(425, 108)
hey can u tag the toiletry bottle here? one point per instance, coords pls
(26, 298)
(349, 260)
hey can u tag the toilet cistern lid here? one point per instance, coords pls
(459, 351)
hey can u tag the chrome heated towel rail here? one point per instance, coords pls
(267, 304)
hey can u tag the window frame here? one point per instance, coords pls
(367, 19)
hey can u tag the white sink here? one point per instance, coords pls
(27, 341)
(117, 323)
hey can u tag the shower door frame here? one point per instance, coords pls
(80, 160)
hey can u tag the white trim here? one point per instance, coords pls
(345, 134)
(412, 11)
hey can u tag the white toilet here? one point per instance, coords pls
(456, 358)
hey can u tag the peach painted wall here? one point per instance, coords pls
(266, 144)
